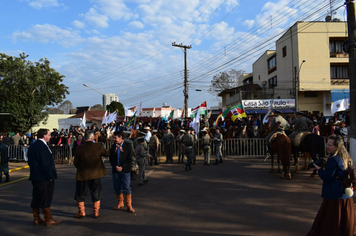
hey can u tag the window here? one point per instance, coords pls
(284, 51)
(272, 63)
(311, 94)
(272, 82)
(336, 46)
(339, 72)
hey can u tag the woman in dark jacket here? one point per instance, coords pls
(336, 216)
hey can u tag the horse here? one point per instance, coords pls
(281, 145)
(324, 129)
(313, 144)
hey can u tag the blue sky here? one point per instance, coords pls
(126, 45)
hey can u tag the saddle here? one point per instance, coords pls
(275, 135)
(299, 137)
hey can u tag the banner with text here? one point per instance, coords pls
(265, 104)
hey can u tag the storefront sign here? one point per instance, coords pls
(265, 104)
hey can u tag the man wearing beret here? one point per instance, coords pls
(218, 141)
(167, 141)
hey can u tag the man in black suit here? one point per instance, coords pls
(120, 160)
(42, 174)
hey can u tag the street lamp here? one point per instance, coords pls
(297, 77)
(93, 89)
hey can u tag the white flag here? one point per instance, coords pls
(339, 105)
(265, 119)
(83, 124)
(105, 118)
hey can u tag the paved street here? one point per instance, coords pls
(238, 197)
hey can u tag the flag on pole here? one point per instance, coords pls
(112, 117)
(209, 114)
(234, 112)
(131, 120)
(105, 118)
(170, 118)
(265, 119)
(339, 105)
(217, 119)
(202, 111)
(183, 110)
(130, 111)
(83, 124)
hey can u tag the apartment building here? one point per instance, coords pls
(308, 65)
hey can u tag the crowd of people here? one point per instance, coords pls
(129, 156)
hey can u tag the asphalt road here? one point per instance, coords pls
(238, 197)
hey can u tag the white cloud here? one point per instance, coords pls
(96, 19)
(136, 24)
(49, 34)
(248, 23)
(38, 4)
(114, 9)
(78, 24)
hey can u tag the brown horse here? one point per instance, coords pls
(281, 145)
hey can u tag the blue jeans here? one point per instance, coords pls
(121, 182)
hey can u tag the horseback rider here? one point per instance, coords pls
(301, 124)
(279, 124)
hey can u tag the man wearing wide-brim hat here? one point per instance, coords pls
(301, 124)
(148, 135)
(279, 124)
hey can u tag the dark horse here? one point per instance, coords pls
(281, 145)
(312, 143)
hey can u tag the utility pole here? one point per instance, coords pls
(185, 92)
(351, 28)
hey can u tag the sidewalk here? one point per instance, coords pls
(14, 166)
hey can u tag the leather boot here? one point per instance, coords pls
(96, 209)
(128, 203)
(48, 217)
(221, 160)
(216, 162)
(120, 201)
(81, 210)
(36, 217)
(7, 178)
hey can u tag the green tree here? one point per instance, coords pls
(97, 107)
(65, 106)
(27, 89)
(116, 106)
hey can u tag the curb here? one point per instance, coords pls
(19, 168)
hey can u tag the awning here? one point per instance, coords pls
(250, 112)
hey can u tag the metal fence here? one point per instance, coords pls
(231, 147)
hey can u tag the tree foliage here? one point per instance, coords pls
(66, 106)
(97, 107)
(54, 110)
(224, 80)
(116, 106)
(27, 89)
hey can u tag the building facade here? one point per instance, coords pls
(308, 65)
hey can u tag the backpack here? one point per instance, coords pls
(350, 177)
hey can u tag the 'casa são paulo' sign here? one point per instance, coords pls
(265, 104)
